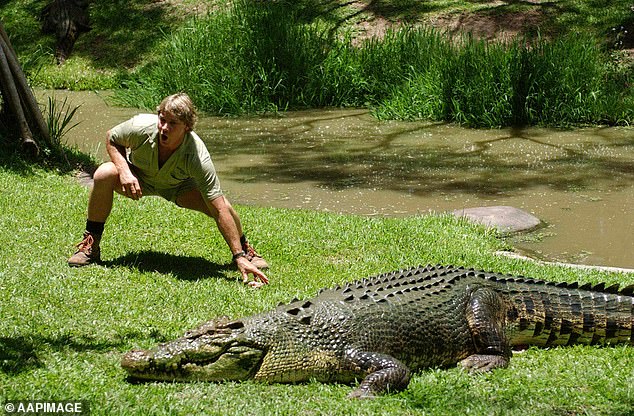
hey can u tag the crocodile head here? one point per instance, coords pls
(215, 351)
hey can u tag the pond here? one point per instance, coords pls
(579, 182)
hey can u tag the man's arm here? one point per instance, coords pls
(130, 186)
(229, 231)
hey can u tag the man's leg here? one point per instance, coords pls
(106, 180)
(195, 201)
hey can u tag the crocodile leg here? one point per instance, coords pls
(385, 373)
(486, 314)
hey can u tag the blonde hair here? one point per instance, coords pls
(181, 106)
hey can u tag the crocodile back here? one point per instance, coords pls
(420, 317)
(431, 299)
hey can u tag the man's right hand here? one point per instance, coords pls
(130, 186)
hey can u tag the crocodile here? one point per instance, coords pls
(382, 329)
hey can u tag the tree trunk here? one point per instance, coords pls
(12, 99)
(18, 97)
(24, 90)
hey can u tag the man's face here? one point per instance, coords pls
(171, 130)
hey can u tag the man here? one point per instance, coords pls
(159, 154)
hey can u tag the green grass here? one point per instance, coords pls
(64, 330)
(562, 82)
(102, 57)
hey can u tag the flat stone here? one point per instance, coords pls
(506, 219)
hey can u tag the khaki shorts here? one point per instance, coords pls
(171, 194)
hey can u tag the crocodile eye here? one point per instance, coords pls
(235, 325)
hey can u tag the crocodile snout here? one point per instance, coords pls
(136, 361)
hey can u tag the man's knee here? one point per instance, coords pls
(106, 178)
(106, 172)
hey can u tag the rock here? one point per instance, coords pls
(506, 219)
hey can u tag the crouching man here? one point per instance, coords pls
(159, 154)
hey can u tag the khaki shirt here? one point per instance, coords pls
(188, 167)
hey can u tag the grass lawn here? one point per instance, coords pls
(63, 331)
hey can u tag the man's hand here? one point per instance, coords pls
(246, 267)
(130, 186)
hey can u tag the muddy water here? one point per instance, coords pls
(579, 182)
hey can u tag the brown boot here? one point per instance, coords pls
(87, 251)
(254, 257)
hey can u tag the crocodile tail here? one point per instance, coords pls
(566, 314)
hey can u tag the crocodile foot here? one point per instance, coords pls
(480, 363)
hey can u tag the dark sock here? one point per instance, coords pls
(94, 227)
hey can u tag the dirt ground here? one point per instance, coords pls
(371, 17)
(490, 27)
(484, 25)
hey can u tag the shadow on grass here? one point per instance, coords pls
(182, 267)
(62, 160)
(20, 354)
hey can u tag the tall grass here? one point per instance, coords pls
(557, 83)
(246, 59)
(59, 119)
(256, 57)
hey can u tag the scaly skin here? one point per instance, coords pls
(381, 329)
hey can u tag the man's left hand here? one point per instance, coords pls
(246, 268)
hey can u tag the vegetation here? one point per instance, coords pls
(59, 119)
(270, 56)
(165, 270)
(271, 63)
(557, 83)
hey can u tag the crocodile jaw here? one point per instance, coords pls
(237, 363)
(214, 352)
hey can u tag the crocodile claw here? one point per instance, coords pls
(480, 363)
